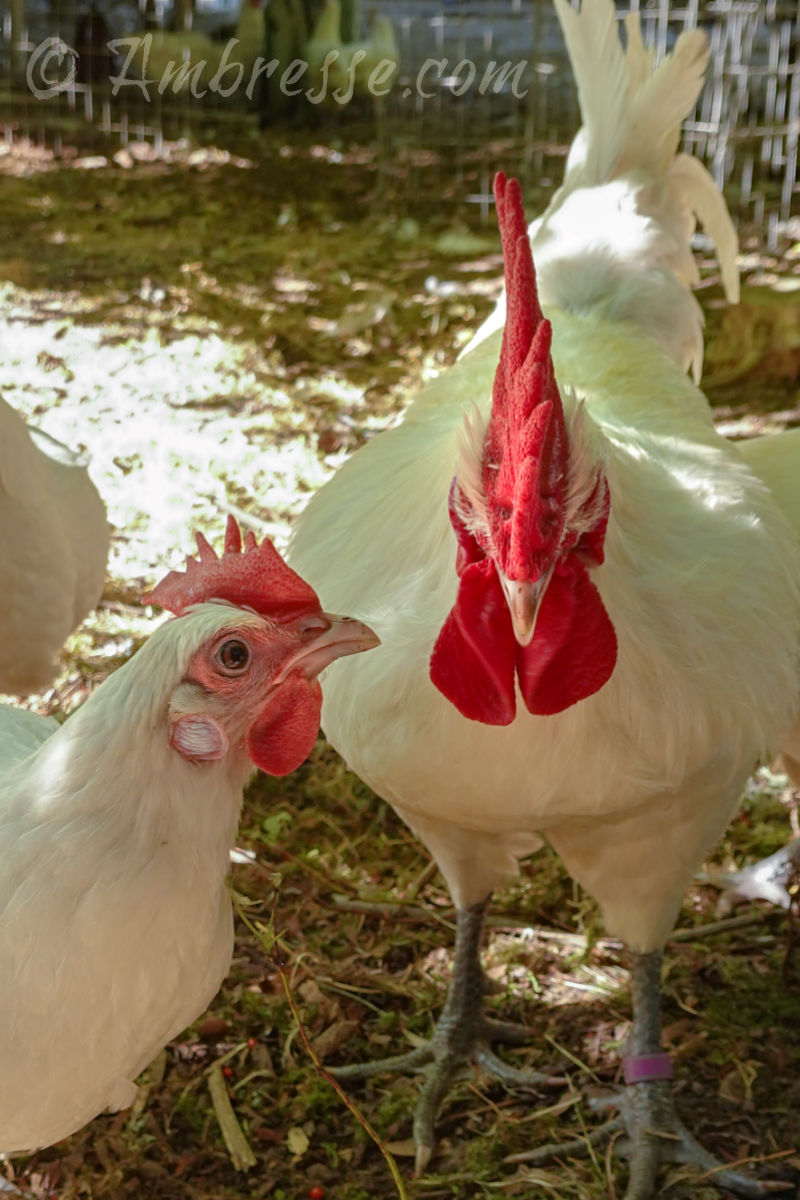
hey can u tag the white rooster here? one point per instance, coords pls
(588, 603)
(116, 828)
(54, 540)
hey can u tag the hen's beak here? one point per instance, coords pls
(524, 598)
(338, 636)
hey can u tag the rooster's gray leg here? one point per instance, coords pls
(463, 1033)
(655, 1133)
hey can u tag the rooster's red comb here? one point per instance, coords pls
(523, 312)
(247, 575)
(525, 455)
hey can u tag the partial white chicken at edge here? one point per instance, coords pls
(54, 541)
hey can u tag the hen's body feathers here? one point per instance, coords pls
(115, 923)
(54, 540)
(776, 460)
(21, 732)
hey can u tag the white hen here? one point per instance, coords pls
(339, 70)
(775, 458)
(187, 60)
(116, 828)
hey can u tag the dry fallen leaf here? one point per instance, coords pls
(333, 1037)
(297, 1140)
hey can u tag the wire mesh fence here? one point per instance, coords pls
(518, 108)
(482, 84)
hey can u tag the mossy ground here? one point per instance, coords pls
(318, 264)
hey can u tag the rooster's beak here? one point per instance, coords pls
(524, 597)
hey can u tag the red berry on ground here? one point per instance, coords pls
(227, 1072)
(316, 1193)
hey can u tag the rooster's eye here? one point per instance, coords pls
(234, 655)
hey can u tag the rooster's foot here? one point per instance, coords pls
(446, 1058)
(463, 1035)
(657, 1137)
(654, 1137)
(655, 1134)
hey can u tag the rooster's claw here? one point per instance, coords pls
(463, 1035)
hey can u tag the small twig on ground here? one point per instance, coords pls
(609, 1167)
(342, 1094)
(389, 908)
(417, 912)
(573, 1058)
(756, 1160)
(252, 860)
(715, 927)
(422, 880)
(238, 1147)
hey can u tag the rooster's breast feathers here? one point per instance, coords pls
(693, 539)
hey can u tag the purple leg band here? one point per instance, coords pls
(646, 1067)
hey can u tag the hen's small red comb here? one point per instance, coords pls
(526, 446)
(247, 575)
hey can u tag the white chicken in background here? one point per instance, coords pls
(589, 604)
(775, 458)
(54, 540)
(116, 827)
(338, 70)
(180, 57)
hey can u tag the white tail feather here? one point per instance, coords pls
(658, 103)
(639, 59)
(598, 65)
(632, 114)
(616, 237)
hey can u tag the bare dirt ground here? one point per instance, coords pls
(220, 331)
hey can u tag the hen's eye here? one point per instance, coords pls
(234, 655)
